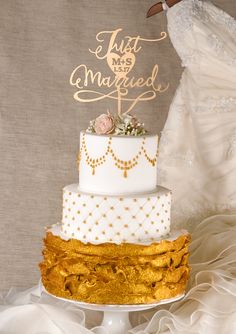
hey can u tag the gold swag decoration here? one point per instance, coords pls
(115, 274)
(120, 164)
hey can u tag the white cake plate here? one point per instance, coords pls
(115, 317)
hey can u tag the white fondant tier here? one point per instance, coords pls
(133, 219)
(56, 230)
(115, 165)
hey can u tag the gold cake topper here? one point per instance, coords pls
(120, 55)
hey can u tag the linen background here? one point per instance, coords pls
(41, 42)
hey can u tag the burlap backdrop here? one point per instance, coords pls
(41, 42)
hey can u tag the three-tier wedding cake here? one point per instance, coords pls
(114, 244)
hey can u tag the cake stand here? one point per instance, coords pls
(115, 317)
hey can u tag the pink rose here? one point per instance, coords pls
(104, 124)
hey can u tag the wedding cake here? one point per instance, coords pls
(114, 244)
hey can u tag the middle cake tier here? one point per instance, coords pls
(140, 219)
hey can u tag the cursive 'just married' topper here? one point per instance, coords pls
(120, 54)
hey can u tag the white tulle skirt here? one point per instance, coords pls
(209, 306)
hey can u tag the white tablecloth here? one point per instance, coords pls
(209, 306)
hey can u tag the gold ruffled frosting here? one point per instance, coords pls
(115, 274)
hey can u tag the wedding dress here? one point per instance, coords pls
(198, 145)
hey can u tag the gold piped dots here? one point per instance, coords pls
(92, 162)
(126, 226)
(112, 208)
(153, 160)
(110, 225)
(124, 165)
(78, 212)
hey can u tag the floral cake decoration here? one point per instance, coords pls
(124, 124)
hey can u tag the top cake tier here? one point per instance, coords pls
(117, 165)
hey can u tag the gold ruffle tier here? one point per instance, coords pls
(115, 274)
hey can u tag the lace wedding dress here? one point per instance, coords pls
(198, 144)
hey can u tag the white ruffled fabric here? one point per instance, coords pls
(209, 306)
(197, 153)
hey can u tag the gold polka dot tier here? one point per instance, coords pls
(98, 219)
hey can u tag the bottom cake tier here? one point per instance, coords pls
(115, 274)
